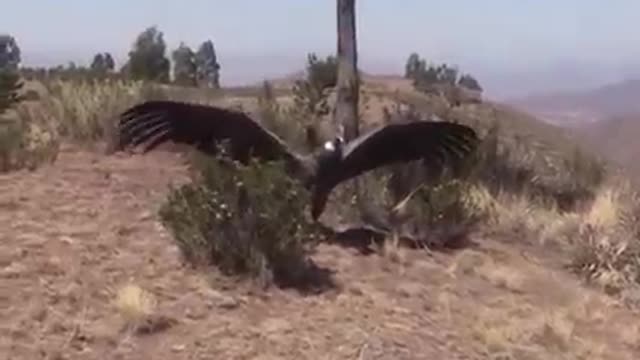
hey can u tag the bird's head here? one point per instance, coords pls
(328, 158)
(335, 145)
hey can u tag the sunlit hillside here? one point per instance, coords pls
(91, 271)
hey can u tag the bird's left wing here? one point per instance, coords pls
(432, 141)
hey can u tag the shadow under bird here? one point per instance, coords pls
(155, 122)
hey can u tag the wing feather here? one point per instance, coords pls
(149, 132)
(434, 142)
(143, 122)
(161, 137)
(431, 141)
(156, 122)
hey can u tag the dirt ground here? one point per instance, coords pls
(79, 239)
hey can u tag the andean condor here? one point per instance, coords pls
(201, 126)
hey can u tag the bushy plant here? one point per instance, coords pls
(26, 142)
(606, 240)
(244, 220)
(26, 138)
(11, 133)
(10, 87)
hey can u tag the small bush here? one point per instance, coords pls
(454, 202)
(246, 221)
(26, 140)
(10, 86)
(11, 134)
(606, 242)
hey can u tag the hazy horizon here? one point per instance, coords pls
(513, 48)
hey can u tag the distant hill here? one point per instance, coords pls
(568, 108)
(616, 138)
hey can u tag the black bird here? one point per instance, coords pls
(201, 126)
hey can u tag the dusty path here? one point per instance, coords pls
(73, 233)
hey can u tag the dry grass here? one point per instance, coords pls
(84, 112)
(134, 303)
(560, 322)
(601, 239)
(138, 309)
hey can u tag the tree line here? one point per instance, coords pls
(10, 83)
(147, 60)
(438, 78)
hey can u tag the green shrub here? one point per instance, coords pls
(246, 221)
(11, 133)
(10, 86)
(25, 143)
(27, 139)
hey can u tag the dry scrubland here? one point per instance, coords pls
(90, 268)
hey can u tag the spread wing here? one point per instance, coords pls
(434, 142)
(156, 122)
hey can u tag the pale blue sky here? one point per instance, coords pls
(492, 38)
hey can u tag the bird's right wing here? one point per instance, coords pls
(201, 126)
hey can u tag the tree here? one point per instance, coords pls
(310, 93)
(414, 67)
(10, 83)
(184, 66)
(469, 82)
(98, 64)
(102, 63)
(147, 60)
(322, 74)
(208, 68)
(447, 75)
(109, 64)
(441, 79)
(348, 82)
(9, 53)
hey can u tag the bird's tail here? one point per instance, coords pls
(318, 203)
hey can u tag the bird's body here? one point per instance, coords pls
(201, 126)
